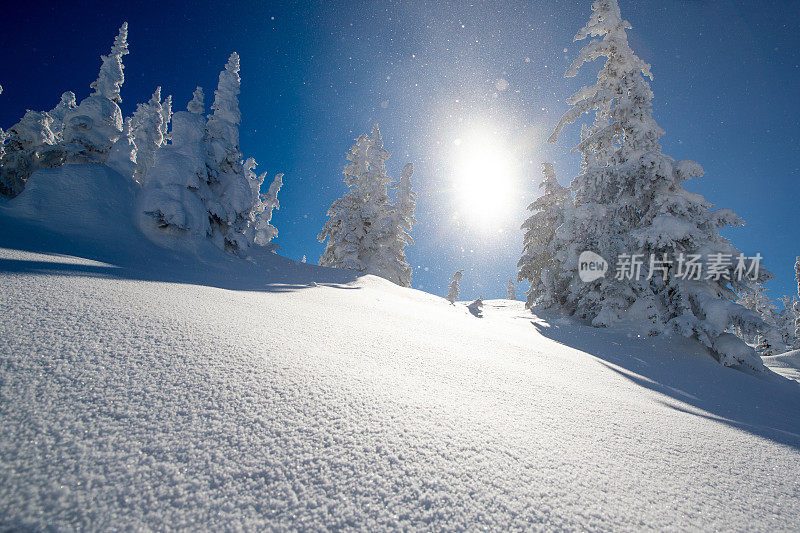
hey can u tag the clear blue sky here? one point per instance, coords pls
(433, 74)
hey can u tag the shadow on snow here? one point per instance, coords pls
(689, 379)
(131, 256)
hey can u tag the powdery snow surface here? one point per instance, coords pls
(141, 388)
(786, 364)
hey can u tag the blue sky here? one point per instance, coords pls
(445, 80)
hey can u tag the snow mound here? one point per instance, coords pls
(76, 199)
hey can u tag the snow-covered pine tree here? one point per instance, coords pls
(797, 303)
(232, 198)
(166, 117)
(538, 263)
(260, 230)
(365, 232)
(150, 122)
(511, 293)
(64, 106)
(175, 195)
(92, 128)
(629, 199)
(754, 297)
(122, 157)
(399, 232)
(29, 145)
(452, 295)
(346, 230)
(786, 321)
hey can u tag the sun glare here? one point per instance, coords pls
(484, 179)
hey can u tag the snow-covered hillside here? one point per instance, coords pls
(146, 388)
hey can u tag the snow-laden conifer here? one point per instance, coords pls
(629, 199)
(175, 195)
(452, 295)
(150, 122)
(766, 341)
(538, 263)
(122, 157)
(92, 128)
(511, 293)
(399, 235)
(260, 230)
(232, 200)
(365, 231)
(797, 303)
(64, 106)
(29, 145)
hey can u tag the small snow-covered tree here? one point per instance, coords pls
(538, 263)
(771, 341)
(511, 293)
(58, 113)
(796, 305)
(629, 199)
(2, 144)
(122, 157)
(400, 224)
(92, 128)
(29, 145)
(452, 295)
(261, 231)
(149, 124)
(365, 231)
(786, 321)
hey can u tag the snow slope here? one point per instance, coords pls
(786, 364)
(145, 389)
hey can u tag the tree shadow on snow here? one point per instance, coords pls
(689, 378)
(129, 255)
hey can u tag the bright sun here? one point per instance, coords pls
(484, 178)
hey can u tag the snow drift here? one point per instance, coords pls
(145, 388)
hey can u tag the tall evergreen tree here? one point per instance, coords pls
(538, 263)
(232, 197)
(150, 122)
(511, 293)
(92, 128)
(629, 199)
(399, 234)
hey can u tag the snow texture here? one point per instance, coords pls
(145, 388)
